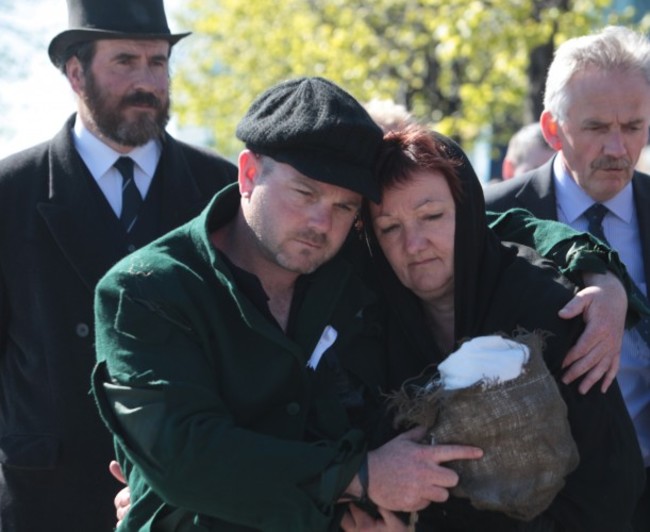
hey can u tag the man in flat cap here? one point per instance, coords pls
(234, 353)
(67, 214)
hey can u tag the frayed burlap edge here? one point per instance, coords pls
(421, 404)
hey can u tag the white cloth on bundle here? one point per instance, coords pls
(491, 359)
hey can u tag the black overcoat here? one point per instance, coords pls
(58, 236)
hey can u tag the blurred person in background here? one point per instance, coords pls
(527, 149)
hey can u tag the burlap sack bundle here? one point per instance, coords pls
(521, 425)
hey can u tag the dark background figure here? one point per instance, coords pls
(596, 117)
(62, 225)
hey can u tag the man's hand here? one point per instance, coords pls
(406, 475)
(122, 500)
(596, 354)
(356, 520)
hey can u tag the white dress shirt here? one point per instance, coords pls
(621, 230)
(99, 158)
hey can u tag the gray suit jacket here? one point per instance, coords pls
(535, 192)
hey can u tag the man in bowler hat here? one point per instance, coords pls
(110, 181)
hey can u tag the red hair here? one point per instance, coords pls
(414, 149)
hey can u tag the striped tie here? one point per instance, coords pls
(131, 199)
(595, 215)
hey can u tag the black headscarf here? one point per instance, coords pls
(479, 257)
(479, 262)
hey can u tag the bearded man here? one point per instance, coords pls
(67, 214)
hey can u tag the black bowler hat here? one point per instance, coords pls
(89, 20)
(319, 129)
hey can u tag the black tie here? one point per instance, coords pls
(595, 215)
(131, 199)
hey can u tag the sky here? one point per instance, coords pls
(35, 104)
(34, 97)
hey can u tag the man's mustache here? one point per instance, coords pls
(611, 163)
(140, 98)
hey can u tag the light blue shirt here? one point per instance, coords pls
(100, 158)
(621, 229)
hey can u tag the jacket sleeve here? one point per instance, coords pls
(572, 251)
(157, 388)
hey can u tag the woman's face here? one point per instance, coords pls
(415, 226)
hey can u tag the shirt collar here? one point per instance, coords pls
(99, 157)
(574, 201)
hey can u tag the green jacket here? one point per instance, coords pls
(214, 404)
(195, 383)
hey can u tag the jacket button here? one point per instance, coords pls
(82, 330)
(293, 409)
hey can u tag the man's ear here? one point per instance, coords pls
(75, 74)
(550, 127)
(249, 171)
(507, 169)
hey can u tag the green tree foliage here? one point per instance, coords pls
(458, 65)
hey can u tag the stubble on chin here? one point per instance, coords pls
(305, 261)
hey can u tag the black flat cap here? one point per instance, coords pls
(90, 20)
(319, 129)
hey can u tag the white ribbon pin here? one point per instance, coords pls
(326, 340)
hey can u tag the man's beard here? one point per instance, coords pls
(112, 123)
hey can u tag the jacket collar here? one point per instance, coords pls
(85, 236)
(537, 193)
